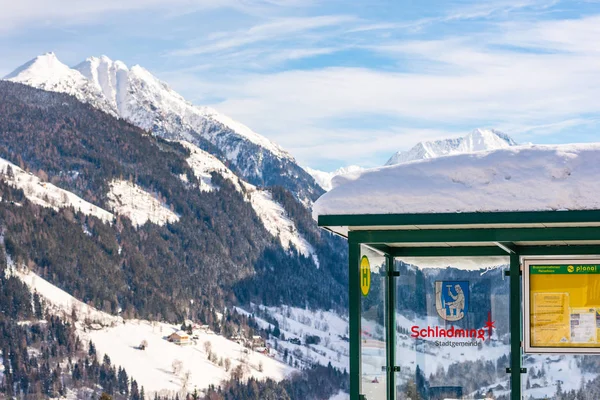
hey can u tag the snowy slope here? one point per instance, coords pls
(61, 303)
(272, 214)
(478, 140)
(46, 194)
(278, 224)
(130, 200)
(522, 178)
(204, 163)
(140, 98)
(324, 179)
(152, 368)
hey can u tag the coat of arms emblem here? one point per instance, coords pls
(452, 299)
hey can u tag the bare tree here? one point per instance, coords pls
(227, 363)
(186, 377)
(208, 347)
(177, 365)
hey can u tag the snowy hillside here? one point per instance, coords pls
(46, 194)
(61, 303)
(272, 214)
(132, 201)
(522, 178)
(204, 163)
(154, 367)
(140, 98)
(478, 140)
(324, 179)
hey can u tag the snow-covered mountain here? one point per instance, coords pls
(478, 140)
(137, 96)
(48, 73)
(324, 179)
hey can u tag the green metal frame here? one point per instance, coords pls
(504, 239)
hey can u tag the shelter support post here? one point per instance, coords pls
(515, 326)
(391, 326)
(354, 296)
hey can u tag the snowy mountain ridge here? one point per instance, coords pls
(48, 73)
(477, 140)
(137, 96)
(324, 179)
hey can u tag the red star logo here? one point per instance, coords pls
(490, 324)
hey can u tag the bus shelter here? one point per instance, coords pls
(465, 286)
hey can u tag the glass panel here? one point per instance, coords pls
(452, 324)
(373, 339)
(561, 377)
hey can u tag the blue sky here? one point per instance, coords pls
(344, 82)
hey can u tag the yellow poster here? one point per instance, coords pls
(564, 305)
(550, 319)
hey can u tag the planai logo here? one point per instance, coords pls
(452, 299)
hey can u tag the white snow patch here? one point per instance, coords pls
(277, 222)
(130, 200)
(204, 163)
(522, 178)
(46, 194)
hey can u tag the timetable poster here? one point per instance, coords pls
(564, 305)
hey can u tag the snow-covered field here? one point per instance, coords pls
(153, 367)
(46, 194)
(130, 200)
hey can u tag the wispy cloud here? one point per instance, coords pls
(542, 79)
(279, 30)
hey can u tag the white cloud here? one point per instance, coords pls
(480, 79)
(277, 30)
(28, 13)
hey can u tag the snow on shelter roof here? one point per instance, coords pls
(517, 179)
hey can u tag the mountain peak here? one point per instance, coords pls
(477, 140)
(44, 66)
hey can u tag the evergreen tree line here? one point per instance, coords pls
(42, 356)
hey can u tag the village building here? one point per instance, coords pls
(179, 337)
